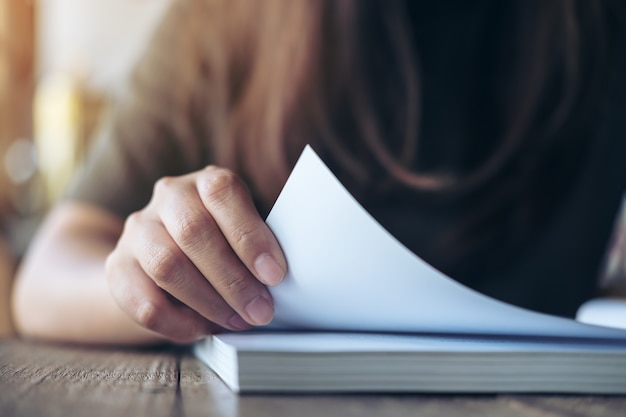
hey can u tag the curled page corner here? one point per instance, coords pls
(347, 273)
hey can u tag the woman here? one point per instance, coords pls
(487, 136)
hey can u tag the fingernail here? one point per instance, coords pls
(260, 311)
(237, 323)
(268, 270)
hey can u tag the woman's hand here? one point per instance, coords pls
(196, 258)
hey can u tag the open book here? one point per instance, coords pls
(360, 312)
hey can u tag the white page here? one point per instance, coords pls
(382, 342)
(346, 272)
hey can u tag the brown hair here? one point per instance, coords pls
(344, 76)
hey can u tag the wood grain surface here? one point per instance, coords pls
(54, 380)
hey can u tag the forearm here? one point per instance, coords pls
(61, 292)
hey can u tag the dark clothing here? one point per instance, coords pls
(158, 131)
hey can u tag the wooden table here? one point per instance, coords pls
(51, 380)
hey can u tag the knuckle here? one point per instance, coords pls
(191, 230)
(219, 183)
(235, 285)
(110, 263)
(243, 236)
(163, 185)
(133, 220)
(148, 314)
(163, 265)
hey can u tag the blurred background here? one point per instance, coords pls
(61, 63)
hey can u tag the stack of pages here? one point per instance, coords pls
(359, 312)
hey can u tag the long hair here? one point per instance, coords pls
(344, 76)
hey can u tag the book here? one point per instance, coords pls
(359, 312)
(317, 362)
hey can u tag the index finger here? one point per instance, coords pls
(228, 200)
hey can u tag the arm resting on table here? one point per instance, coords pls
(61, 292)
